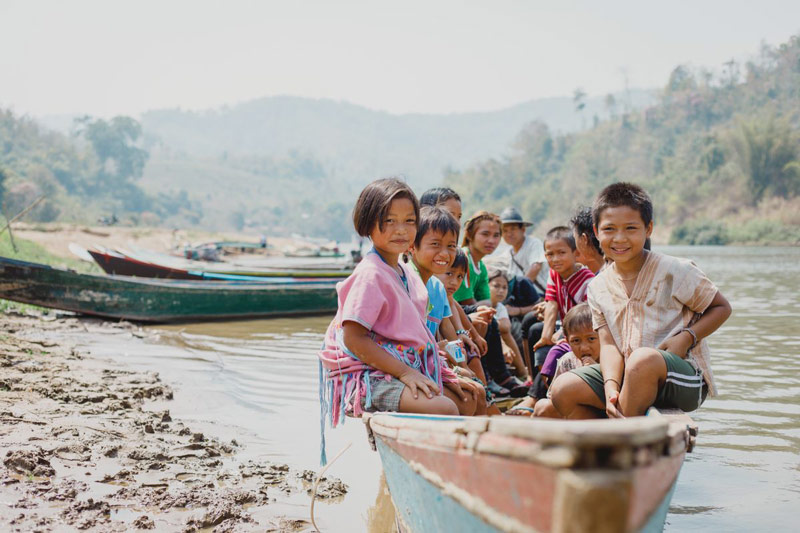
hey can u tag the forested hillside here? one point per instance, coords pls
(353, 143)
(719, 153)
(82, 177)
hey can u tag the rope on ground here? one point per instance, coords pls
(319, 478)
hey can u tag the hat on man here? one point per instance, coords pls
(510, 215)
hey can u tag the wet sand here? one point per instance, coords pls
(90, 445)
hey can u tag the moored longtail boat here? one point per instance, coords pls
(113, 262)
(151, 265)
(155, 300)
(515, 474)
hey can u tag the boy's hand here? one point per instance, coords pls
(540, 343)
(465, 372)
(415, 381)
(456, 388)
(481, 343)
(588, 360)
(476, 318)
(556, 338)
(470, 346)
(612, 401)
(485, 312)
(539, 310)
(469, 387)
(678, 344)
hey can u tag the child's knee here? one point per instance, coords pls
(565, 390)
(442, 405)
(645, 360)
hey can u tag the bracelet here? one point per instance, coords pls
(694, 337)
(462, 332)
(611, 379)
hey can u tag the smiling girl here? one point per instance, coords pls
(378, 353)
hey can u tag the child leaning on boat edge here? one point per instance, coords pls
(652, 313)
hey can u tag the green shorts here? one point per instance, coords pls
(683, 389)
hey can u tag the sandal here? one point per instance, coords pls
(497, 390)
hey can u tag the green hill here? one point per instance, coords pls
(719, 153)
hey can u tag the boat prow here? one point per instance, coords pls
(517, 474)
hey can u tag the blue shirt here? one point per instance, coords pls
(438, 305)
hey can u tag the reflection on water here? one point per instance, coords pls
(263, 375)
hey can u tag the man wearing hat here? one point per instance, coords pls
(525, 254)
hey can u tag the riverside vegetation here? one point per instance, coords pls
(719, 152)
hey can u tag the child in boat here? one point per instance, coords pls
(584, 350)
(378, 354)
(451, 279)
(498, 289)
(449, 200)
(433, 252)
(481, 236)
(652, 313)
(565, 289)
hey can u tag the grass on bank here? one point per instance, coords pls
(35, 253)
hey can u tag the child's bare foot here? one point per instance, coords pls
(523, 408)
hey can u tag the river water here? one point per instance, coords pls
(744, 474)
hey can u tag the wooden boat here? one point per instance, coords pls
(156, 300)
(125, 263)
(524, 475)
(116, 263)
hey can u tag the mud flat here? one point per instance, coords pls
(86, 445)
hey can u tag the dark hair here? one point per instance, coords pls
(561, 233)
(471, 225)
(577, 318)
(432, 218)
(374, 201)
(496, 272)
(582, 223)
(438, 195)
(623, 194)
(460, 262)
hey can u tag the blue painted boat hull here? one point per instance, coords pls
(487, 475)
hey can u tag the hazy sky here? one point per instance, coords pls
(108, 57)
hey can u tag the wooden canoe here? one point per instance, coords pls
(516, 474)
(123, 263)
(116, 263)
(257, 270)
(156, 300)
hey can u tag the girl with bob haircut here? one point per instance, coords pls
(378, 353)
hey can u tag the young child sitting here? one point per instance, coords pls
(481, 236)
(498, 289)
(450, 201)
(378, 354)
(451, 279)
(584, 346)
(652, 313)
(565, 289)
(433, 252)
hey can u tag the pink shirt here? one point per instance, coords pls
(375, 296)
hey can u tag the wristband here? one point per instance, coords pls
(694, 337)
(462, 332)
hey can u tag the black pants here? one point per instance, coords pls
(493, 363)
(534, 334)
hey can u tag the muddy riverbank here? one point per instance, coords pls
(89, 444)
